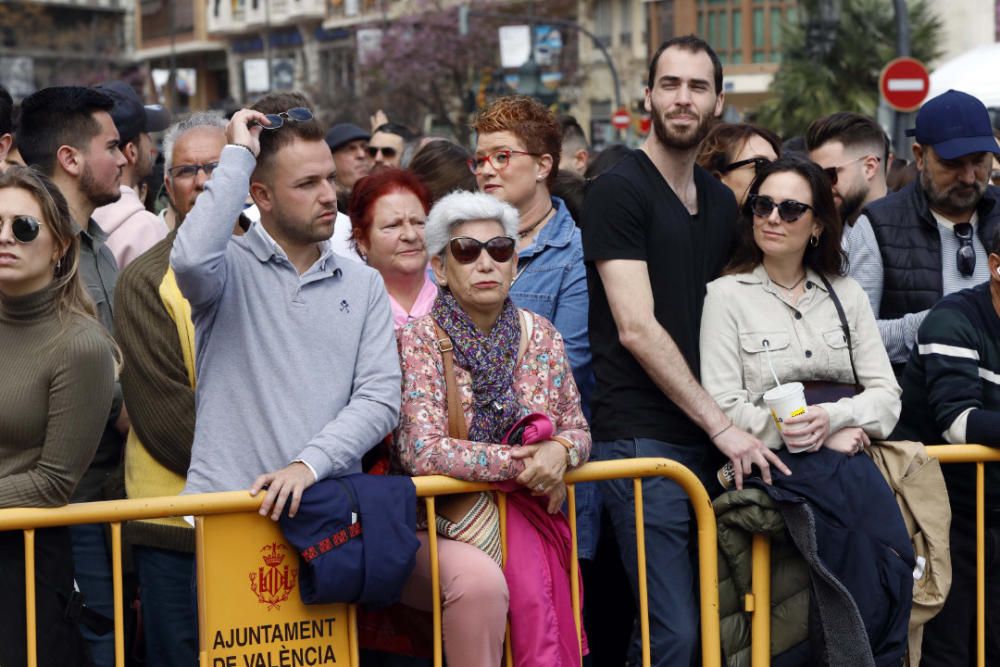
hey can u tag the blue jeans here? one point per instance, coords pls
(92, 562)
(169, 621)
(670, 573)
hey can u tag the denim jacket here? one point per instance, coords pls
(551, 281)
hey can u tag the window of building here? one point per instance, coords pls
(745, 31)
(602, 21)
(625, 22)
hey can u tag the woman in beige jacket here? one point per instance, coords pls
(778, 299)
(774, 297)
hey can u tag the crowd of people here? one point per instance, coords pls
(315, 302)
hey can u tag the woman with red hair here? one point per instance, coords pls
(388, 210)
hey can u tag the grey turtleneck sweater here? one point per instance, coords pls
(58, 374)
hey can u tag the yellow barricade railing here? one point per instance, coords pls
(115, 513)
(758, 603)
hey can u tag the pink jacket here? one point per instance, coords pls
(539, 548)
(131, 229)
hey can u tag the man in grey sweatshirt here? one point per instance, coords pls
(298, 373)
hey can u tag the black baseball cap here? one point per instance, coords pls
(344, 133)
(131, 116)
(955, 124)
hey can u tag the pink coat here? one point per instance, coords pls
(539, 547)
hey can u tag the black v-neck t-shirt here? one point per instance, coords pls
(631, 213)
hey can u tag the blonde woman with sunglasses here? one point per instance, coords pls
(58, 372)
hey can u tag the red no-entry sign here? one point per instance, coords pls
(904, 84)
(621, 119)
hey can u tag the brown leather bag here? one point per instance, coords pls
(453, 508)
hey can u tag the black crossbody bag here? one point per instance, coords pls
(831, 392)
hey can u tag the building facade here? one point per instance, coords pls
(49, 43)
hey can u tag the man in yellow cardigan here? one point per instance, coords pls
(156, 335)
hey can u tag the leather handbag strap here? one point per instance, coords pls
(457, 426)
(843, 325)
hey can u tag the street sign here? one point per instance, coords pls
(904, 84)
(621, 119)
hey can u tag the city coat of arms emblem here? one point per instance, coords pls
(274, 581)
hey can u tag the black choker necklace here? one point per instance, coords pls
(527, 231)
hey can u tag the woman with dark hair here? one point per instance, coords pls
(735, 152)
(388, 210)
(58, 371)
(785, 304)
(443, 166)
(517, 159)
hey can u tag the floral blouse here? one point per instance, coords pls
(543, 383)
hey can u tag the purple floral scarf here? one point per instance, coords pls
(490, 359)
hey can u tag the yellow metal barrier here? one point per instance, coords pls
(237, 502)
(758, 601)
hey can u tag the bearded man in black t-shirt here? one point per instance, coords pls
(656, 229)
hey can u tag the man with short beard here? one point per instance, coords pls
(68, 134)
(656, 229)
(853, 150)
(930, 234)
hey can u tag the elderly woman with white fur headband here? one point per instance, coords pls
(514, 418)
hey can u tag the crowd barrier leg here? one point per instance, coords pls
(980, 564)
(501, 498)
(574, 567)
(119, 589)
(29, 597)
(759, 602)
(435, 579)
(640, 547)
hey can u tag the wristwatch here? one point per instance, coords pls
(572, 456)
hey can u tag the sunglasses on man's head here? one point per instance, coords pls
(788, 210)
(466, 249)
(23, 227)
(276, 120)
(387, 151)
(965, 256)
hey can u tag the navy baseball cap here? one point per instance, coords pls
(955, 124)
(131, 116)
(344, 133)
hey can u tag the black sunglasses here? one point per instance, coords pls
(24, 227)
(788, 210)
(965, 256)
(276, 120)
(757, 162)
(183, 171)
(466, 249)
(388, 151)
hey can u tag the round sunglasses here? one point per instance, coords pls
(788, 210)
(466, 249)
(23, 227)
(276, 120)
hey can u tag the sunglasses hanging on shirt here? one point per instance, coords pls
(965, 256)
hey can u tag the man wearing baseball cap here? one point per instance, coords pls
(131, 229)
(927, 240)
(349, 145)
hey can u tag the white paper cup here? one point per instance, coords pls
(785, 402)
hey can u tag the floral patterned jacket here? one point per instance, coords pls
(544, 383)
